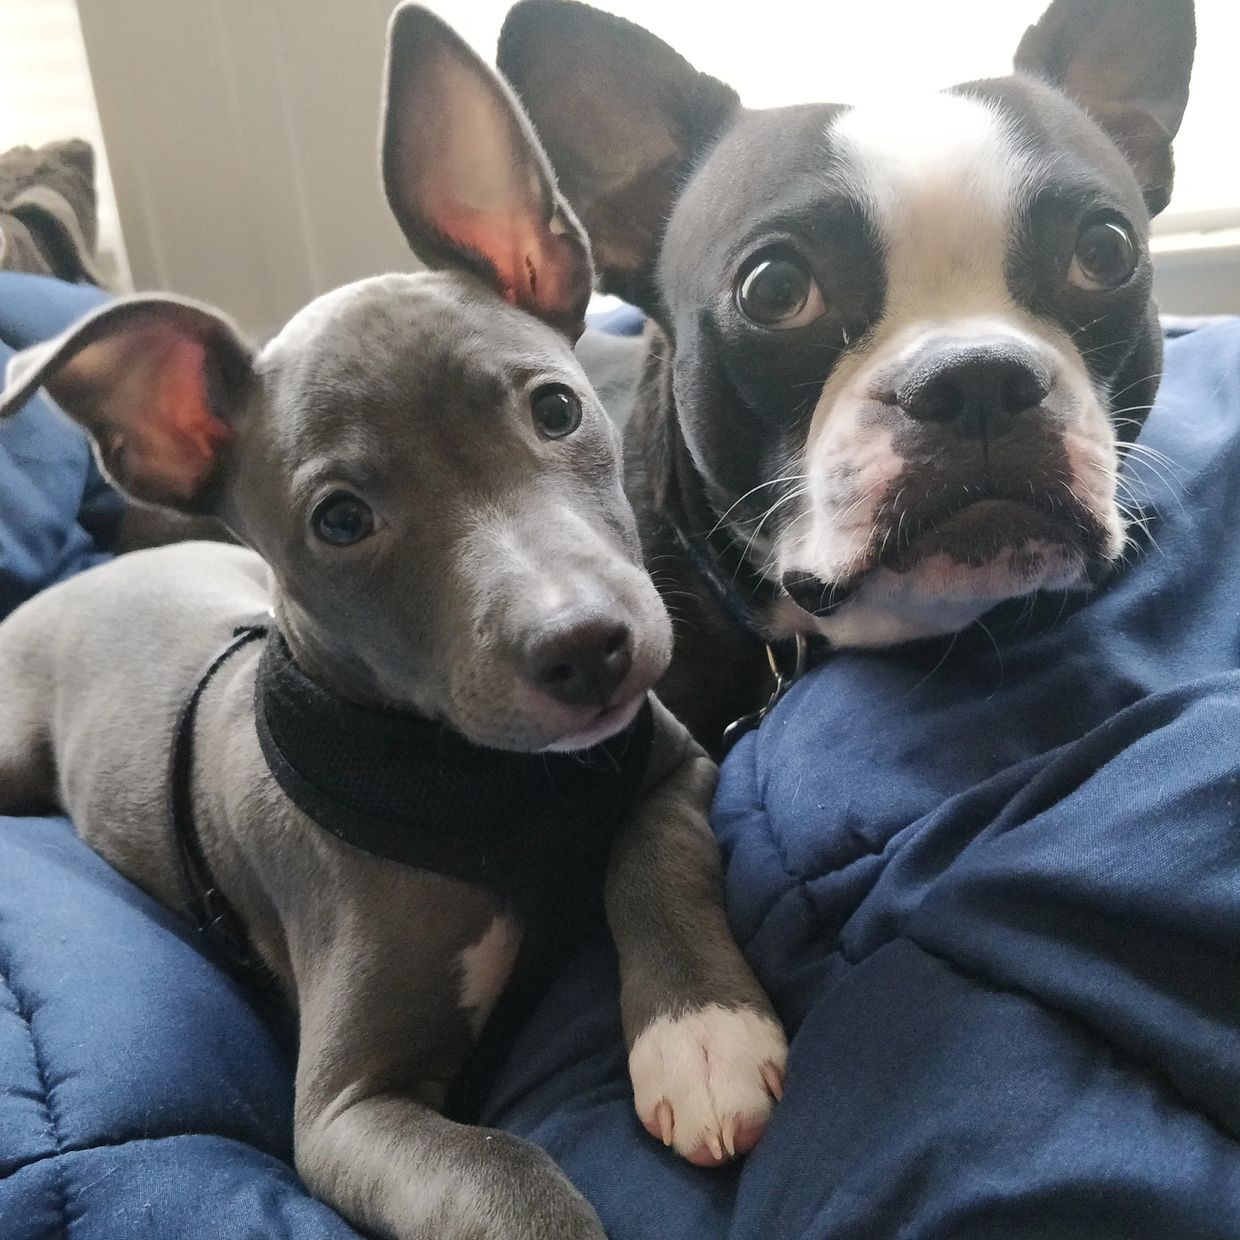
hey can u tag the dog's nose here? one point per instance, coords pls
(973, 385)
(580, 661)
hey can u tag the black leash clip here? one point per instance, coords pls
(783, 682)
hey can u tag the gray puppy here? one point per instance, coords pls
(432, 494)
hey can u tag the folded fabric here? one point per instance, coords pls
(141, 1098)
(48, 211)
(57, 514)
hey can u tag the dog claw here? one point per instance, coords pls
(663, 1116)
(774, 1080)
(704, 1083)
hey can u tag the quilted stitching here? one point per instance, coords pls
(46, 1101)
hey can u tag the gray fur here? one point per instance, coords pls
(413, 391)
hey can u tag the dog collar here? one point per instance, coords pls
(741, 592)
(403, 787)
(209, 909)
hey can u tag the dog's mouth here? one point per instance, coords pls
(970, 542)
(978, 525)
(611, 719)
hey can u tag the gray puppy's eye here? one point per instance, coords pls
(556, 410)
(777, 290)
(342, 519)
(1105, 256)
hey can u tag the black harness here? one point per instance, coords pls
(209, 909)
(535, 828)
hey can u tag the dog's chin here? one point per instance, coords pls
(955, 570)
(531, 723)
(607, 722)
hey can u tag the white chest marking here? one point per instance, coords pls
(485, 967)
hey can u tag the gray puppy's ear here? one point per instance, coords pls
(155, 381)
(469, 182)
(1128, 64)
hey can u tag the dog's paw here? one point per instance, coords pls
(704, 1082)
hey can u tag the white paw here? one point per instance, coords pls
(705, 1082)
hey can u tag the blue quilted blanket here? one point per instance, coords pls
(993, 886)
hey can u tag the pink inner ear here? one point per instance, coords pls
(461, 167)
(537, 268)
(493, 239)
(172, 444)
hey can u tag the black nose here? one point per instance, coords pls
(973, 385)
(580, 662)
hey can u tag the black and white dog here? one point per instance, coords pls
(897, 346)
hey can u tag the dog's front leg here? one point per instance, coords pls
(706, 1052)
(390, 1163)
(386, 1022)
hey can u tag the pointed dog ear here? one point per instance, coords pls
(1128, 64)
(155, 382)
(624, 119)
(467, 179)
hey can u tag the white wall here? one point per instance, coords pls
(243, 141)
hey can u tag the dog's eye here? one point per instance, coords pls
(557, 411)
(342, 519)
(778, 291)
(1105, 255)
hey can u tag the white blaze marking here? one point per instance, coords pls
(942, 176)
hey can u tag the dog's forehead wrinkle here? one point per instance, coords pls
(318, 453)
(768, 164)
(1066, 143)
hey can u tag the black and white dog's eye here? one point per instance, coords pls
(1106, 254)
(777, 290)
(556, 410)
(342, 519)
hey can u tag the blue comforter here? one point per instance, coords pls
(993, 886)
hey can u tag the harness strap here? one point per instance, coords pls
(210, 910)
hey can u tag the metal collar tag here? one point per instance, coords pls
(783, 682)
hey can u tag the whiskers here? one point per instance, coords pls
(762, 486)
(795, 494)
(668, 588)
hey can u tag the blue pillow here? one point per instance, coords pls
(57, 513)
(140, 1095)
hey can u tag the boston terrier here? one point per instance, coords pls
(896, 350)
